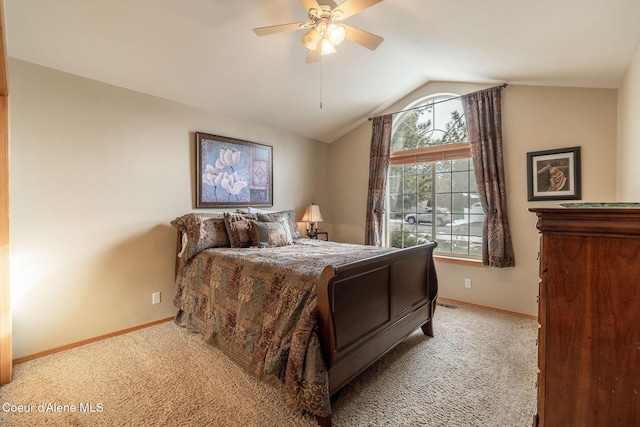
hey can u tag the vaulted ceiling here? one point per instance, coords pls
(204, 53)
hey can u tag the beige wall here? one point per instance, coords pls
(534, 118)
(97, 173)
(628, 179)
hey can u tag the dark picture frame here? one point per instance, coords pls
(232, 172)
(554, 174)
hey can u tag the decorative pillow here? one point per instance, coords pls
(288, 216)
(251, 210)
(200, 232)
(239, 229)
(271, 234)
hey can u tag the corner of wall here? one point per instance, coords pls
(628, 140)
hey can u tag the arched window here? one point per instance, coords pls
(431, 187)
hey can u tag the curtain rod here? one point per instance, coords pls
(428, 105)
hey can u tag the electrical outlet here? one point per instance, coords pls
(155, 298)
(467, 283)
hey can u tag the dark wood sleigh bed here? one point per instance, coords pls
(365, 307)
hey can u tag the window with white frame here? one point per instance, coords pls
(431, 187)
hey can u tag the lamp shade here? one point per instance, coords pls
(326, 47)
(310, 39)
(312, 214)
(336, 33)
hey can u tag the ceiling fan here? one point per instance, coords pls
(325, 30)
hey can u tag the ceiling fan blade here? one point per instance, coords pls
(351, 7)
(265, 31)
(361, 37)
(310, 4)
(314, 55)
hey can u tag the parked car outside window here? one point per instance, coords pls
(443, 216)
(475, 214)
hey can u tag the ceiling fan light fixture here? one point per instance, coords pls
(326, 47)
(336, 33)
(310, 39)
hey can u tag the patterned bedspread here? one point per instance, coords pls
(258, 305)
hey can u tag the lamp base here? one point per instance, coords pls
(315, 234)
(313, 229)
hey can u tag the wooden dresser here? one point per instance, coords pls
(589, 318)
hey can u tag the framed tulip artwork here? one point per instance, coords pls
(232, 172)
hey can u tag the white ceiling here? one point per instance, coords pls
(204, 53)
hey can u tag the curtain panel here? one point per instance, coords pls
(378, 168)
(483, 114)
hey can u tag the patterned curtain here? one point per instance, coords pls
(378, 167)
(483, 111)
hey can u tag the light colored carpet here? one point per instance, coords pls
(479, 370)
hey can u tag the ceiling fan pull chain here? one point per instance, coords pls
(321, 78)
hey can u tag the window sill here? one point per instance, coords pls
(459, 261)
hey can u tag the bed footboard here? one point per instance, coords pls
(369, 306)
